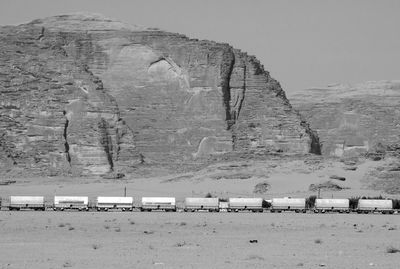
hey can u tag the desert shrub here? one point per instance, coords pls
(318, 241)
(310, 201)
(261, 187)
(209, 195)
(392, 249)
(396, 203)
(67, 265)
(71, 228)
(328, 185)
(61, 225)
(180, 244)
(266, 204)
(255, 257)
(353, 202)
(95, 246)
(380, 197)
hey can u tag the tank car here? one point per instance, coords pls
(288, 204)
(158, 203)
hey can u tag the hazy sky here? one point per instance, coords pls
(303, 43)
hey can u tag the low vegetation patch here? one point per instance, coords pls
(95, 246)
(353, 202)
(261, 187)
(67, 264)
(318, 241)
(337, 177)
(396, 203)
(180, 244)
(255, 257)
(328, 185)
(392, 249)
(232, 176)
(310, 201)
(208, 195)
(266, 204)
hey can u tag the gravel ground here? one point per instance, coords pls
(197, 240)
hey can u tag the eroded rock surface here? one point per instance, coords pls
(85, 95)
(352, 120)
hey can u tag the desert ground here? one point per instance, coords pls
(291, 177)
(197, 240)
(201, 240)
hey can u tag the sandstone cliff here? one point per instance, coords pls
(86, 95)
(353, 119)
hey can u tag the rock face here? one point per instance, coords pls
(86, 95)
(351, 120)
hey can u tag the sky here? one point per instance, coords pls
(302, 43)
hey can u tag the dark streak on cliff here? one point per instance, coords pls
(106, 142)
(65, 135)
(228, 61)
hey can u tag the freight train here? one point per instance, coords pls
(195, 204)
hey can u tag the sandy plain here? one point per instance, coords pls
(197, 240)
(230, 179)
(201, 240)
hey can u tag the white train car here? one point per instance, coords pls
(332, 205)
(158, 203)
(288, 204)
(71, 202)
(196, 204)
(240, 204)
(369, 205)
(108, 203)
(27, 202)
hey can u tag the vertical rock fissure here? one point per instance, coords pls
(65, 135)
(106, 142)
(234, 131)
(315, 146)
(228, 61)
(244, 92)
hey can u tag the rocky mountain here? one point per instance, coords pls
(82, 94)
(353, 119)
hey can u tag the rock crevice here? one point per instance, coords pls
(228, 61)
(65, 135)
